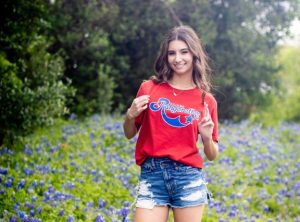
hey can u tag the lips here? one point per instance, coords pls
(179, 66)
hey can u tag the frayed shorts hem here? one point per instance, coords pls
(170, 206)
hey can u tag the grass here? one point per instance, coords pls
(85, 171)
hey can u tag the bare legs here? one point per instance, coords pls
(190, 214)
(160, 214)
(157, 214)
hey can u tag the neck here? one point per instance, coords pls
(182, 82)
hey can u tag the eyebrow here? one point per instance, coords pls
(179, 49)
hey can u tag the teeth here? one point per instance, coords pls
(179, 66)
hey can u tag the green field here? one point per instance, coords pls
(85, 171)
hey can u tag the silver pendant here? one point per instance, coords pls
(174, 94)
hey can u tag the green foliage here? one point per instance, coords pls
(33, 90)
(124, 37)
(82, 30)
(74, 165)
(285, 101)
(109, 47)
(36, 99)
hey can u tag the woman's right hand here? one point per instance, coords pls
(138, 105)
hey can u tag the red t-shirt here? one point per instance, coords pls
(169, 126)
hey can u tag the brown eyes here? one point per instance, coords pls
(174, 53)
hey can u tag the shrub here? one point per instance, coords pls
(34, 95)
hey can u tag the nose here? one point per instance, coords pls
(177, 58)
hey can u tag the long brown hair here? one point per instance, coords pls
(201, 69)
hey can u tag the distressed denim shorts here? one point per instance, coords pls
(164, 182)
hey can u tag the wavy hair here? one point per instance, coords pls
(201, 69)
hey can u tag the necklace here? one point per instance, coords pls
(175, 93)
(180, 91)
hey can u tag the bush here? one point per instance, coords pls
(32, 97)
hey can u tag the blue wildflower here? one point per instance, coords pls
(3, 171)
(70, 218)
(99, 218)
(8, 183)
(101, 203)
(73, 116)
(13, 219)
(27, 150)
(21, 184)
(61, 212)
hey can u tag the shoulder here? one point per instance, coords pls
(147, 85)
(210, 99)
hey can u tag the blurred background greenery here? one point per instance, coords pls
(90, 56)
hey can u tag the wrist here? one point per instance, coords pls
(207, 141)
(128, 115)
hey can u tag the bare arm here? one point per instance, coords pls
(211, 149)
(138, 105)
(206, 125)
(129, 127)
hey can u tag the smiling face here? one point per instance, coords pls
(180, 58)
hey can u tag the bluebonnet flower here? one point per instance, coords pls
(92, 135)
(13, 219)
(27, 150)
(61, 212)
(8, 183)
(47, 196)
(16, 205)
(73, 116)
(70, 219)
(90, 204)
(39, 210)
(95, 118)
(21, 184)
(101, 203)
(3, 171)
(29, 205)
(99, 218)
(32, 212)
(27, 171)
(33, 199)
(70, 185)
(123, 212)
(51, 189)
(5, 150)
(42, 183)
(21, 214)
(94, 144)
(126, 204)
(111, 208)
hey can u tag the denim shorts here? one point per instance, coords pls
(164, 182)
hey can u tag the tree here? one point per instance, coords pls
(81, 29)
(141, 27)
(240, 38)
(31, 88)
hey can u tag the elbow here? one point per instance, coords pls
(129, 136)
(212, 157)
(213, 153)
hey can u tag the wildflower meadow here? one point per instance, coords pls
(84, 170)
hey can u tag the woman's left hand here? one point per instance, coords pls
(206, 125)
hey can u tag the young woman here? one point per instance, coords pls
(170, 111)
